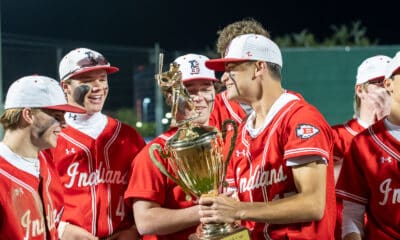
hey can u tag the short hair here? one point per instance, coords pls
(275, 70)
(11, 118)
(245, 26)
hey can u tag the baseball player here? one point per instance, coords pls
(282, 163)
(94, 153)
(371, 103)
(160, 206)
(369, 181)
(223, 107)
(31, 196)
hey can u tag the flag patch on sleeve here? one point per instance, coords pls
(305, 131)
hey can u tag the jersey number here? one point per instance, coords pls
(120, 208)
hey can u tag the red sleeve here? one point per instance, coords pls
(351, 184)
(146, 181)
(307, 133)
(224, 109)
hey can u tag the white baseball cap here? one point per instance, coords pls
(248, 47)
(193, 67)
(372, 68)
(393, 67)
(83, 60)
(38, 92)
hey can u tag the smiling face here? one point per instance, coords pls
(202, 93)
(237, 79)
(46, 126)
(88, 90)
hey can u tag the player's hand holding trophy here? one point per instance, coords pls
(195, 153)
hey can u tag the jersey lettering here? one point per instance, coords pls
(101, 175)
(34, 227)
(386, 190)
(261, 178)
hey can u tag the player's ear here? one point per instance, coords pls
(388, 85)
(65, 88)
(261, 65)
(358, 89)
(260, 68)
(27, 115)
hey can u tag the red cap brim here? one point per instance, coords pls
(67, 108)
(109, 70)
(219, 63)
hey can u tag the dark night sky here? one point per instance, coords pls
(189, 24)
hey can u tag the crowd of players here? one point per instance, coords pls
(68, 171)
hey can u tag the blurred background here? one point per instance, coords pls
(322, 44)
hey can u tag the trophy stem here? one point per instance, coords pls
(217, 231)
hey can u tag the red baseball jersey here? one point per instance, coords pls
(95, 174)
(148, 183)
(344, 134)
(258, 167)
(370, 176)
(225, 109)
(30, 206)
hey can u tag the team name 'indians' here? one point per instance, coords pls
(35, 227)
(101, 175)
(262, 178)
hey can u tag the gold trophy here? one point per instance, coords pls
(195, 154)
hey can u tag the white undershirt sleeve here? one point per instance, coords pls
(353, 218)
(61, 229)
(297, 161)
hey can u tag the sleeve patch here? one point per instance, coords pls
(305, 131)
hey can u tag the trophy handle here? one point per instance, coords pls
(233, 139)
(158, 148)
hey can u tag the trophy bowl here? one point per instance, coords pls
(195, 154)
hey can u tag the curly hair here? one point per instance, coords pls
(245, 26)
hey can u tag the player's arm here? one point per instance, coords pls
(151, 218)
(308, 204)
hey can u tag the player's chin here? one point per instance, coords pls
(94, 108)
(52, 143)
(231, 93)
(52, 140)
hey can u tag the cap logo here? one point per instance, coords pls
(249, 54)
(194, 66)
(92, 60)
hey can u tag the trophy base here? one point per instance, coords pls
(221, 232)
